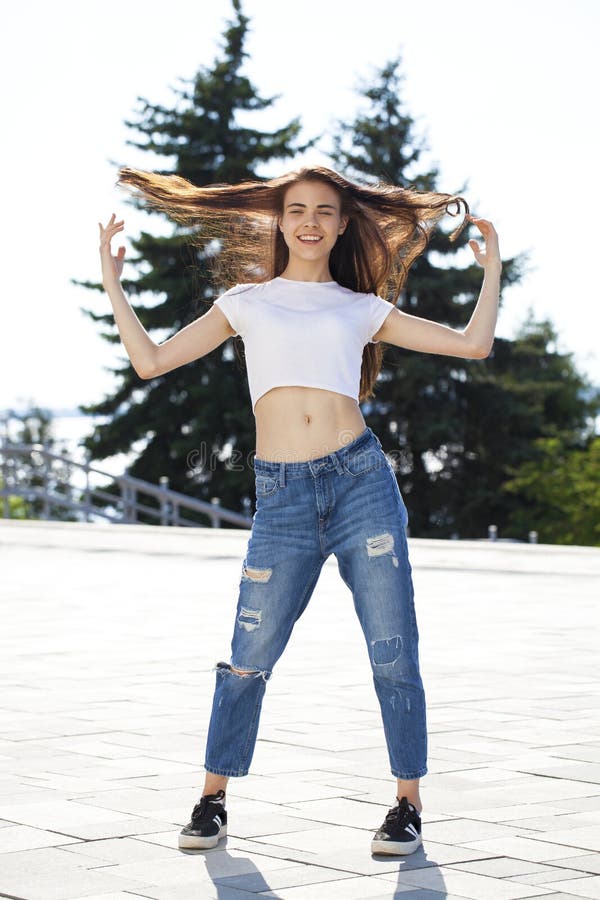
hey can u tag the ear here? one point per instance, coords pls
(343, 224)
(279, 223)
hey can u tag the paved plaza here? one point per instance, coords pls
(108, 639)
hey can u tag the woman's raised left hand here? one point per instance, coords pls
(491, 254)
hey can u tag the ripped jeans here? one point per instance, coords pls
(347, 503)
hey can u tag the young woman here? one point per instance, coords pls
(309, 255)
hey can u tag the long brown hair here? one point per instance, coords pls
(388, 228)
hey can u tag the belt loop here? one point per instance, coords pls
(282, 474)
(336, 462)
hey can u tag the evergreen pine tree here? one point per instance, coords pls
(529, 393)
(454, 426)
(562, 484)
(194, 424)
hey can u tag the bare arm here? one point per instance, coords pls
(148, 358)
(477, 338)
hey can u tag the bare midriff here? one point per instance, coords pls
(295, 424)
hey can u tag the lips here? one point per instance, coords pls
(310, 238)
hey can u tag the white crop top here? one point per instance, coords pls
(308, 333)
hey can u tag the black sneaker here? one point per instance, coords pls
(400, 832)
(208, 824)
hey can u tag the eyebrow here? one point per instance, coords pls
(320, 205)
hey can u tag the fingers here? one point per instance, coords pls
(113, 225)
(108, 232)
(484, 225)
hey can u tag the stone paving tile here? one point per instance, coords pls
(171, 781)
(517, 814)
(555, 823)
(525, 848)
(588, 752)
(62, 880)
(582, 804)
(349, 889)
(74, 819)
(115, 895)
(416, 894)
(112, 769)
(294, 876)
(530, 790)
(574, 771)
(119, 850)
(352, 813)
(194, 867)
(467, 884)
(257, 787)
(139, 800)
(588, 864)
(259, 826)
(22, 837)
(553, 874)
(461, 831)
(581, 887)
(560, 896)
(586, 838)
(504, 867)
(203, 891)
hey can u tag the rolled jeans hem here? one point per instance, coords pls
(411, 776)
(228, 773)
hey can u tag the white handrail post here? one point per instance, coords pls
(164, 501)
(46, 476)
(87, 494)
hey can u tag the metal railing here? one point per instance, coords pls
(55, 481)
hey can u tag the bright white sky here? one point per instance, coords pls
(505, 96)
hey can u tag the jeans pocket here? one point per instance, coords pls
(363, 461)
(265, 485)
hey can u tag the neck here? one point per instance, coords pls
(303, 270)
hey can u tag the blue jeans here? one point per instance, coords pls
(347, 503)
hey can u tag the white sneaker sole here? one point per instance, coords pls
(196, 842)
(396, 848)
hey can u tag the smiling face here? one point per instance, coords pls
(311, 223)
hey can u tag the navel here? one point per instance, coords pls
(307, 419)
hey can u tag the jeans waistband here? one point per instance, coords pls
(331, 461)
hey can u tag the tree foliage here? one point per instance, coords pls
(194, 424)
(456, 427)
(560, 487)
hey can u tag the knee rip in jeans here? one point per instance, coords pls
(387, 651)
(381, 545)
(242, 673)
(249, 619)
(254, 574)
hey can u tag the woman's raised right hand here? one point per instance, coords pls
(111, 265)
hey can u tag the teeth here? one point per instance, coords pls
(309, 237)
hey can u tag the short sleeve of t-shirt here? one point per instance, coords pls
(231, 305)
(379, 310)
